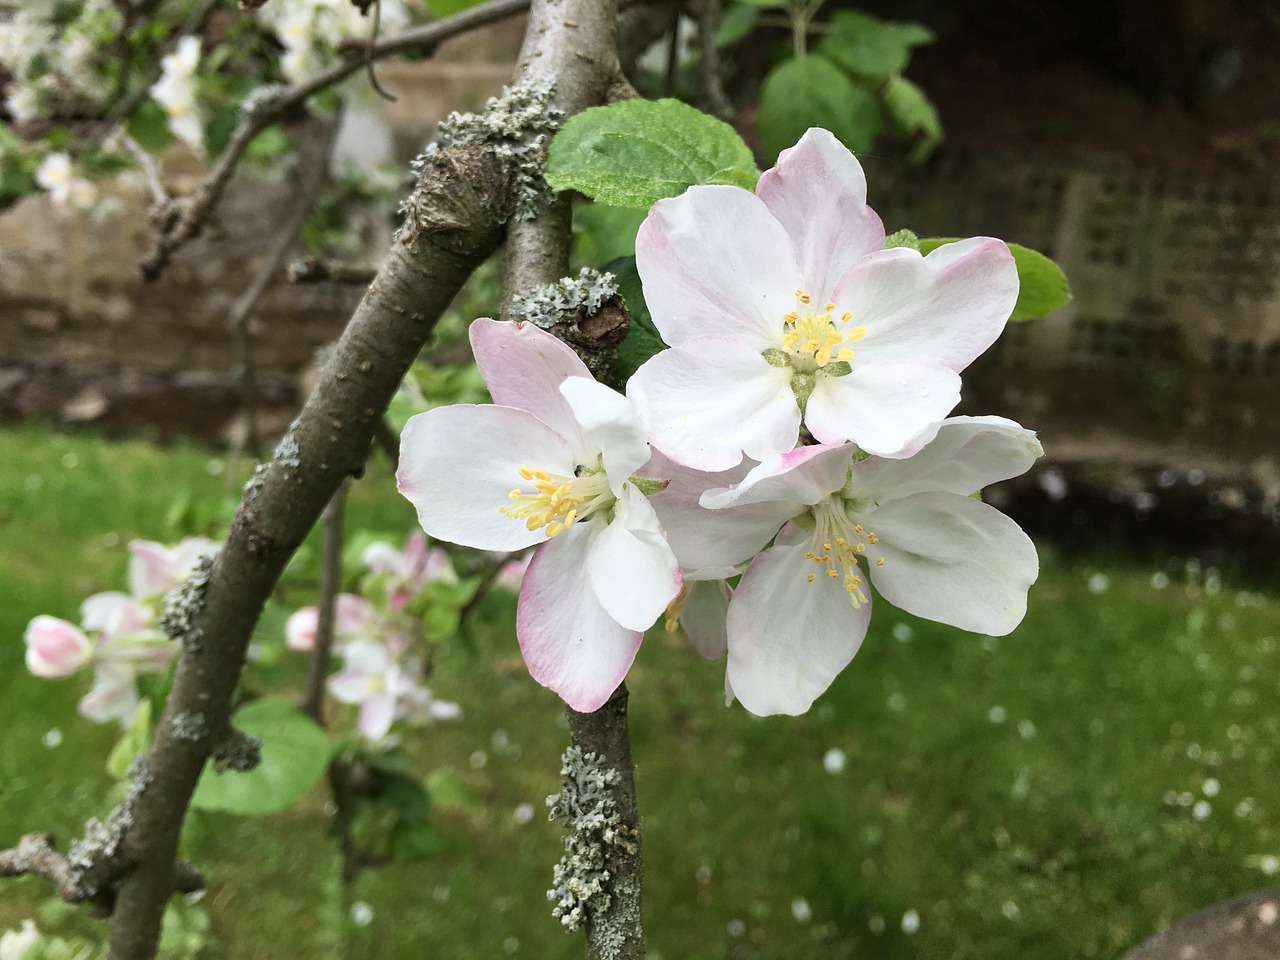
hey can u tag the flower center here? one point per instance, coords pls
(558, 502)
(836, 544)
(815, 339)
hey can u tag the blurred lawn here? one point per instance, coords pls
(1063, 792)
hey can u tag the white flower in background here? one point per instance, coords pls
(23, 38)
(312, 31)
(353, 619)
(16, 944)
(22, 101)
(176, 92)
(55, 176)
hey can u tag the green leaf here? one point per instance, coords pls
(869, 48)
(149, 125)
(736, 22)
(414, 843)
(633, 153)
(295, 753)
(812, 92)
(406, 796)
(446, 789)
(1042, 286)
(643, 340)
(447, 8)
(270, 144)
(913, 113)
(135, 741)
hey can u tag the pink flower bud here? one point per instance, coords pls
(56, 648)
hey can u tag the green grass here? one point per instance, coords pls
(1011, 792)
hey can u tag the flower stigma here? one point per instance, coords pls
(815, 339)
(836, 544)
(559, 502)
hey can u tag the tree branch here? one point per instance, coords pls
(454, 224)
(317, 270)
(193, 212)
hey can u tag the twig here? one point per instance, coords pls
(385, 436)
(711, 85)
(312, 177)
(37, 855)
(482, 588)
(615, 933)
(195, 211)
(326, 607)
(320, 270)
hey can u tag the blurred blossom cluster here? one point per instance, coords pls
(313, 31)
(118, 636)
(378, 637)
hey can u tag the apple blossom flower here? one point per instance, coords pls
(156, 568)
(802, 607)
(407, 572)
(175, 92)
(372, 678)
(114, 695)
(783, 307)
(56, 648)
(55, 176)
(18, 944)
(354, 619)
(570, 448)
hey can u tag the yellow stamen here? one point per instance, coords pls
(557, 502)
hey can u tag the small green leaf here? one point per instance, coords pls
(812, 92)
(295, 753)
(406, 796)
(643, 340)
(415, 843)
(736, 22)
(902, 238)
(149, 125)
(270, 144)
(869, 48)
(446, 789)
(136, 740)
(913, 113)
(447, 8)
(1042, 286)
(633, 153)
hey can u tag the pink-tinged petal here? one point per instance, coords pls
(799, 478)
(707, 402)
(611, 425)
(150, 566)
(569, 641)
(376, 715)
(351, 686)
(188, 554)
(953, 559)
(300, 630)
(965, 454)
(631, 568)
(523, 367)
(55, 648)
(115, 614)
(818, 193)
(715, 262)
(458, 465)
(381, 557)
(710, 543)
(789, 638)
(706, 607)
(352, 615)
(369, 657)
(114, 696)
(946, 308)
(415, 550)
(882, 407)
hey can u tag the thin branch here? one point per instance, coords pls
(311, 177)
(711, 80)
(326, 607)
(195, 210)
(615, 933)
(320, 270)
(482, 588)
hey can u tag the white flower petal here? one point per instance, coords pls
(710, 543)
(707, 402)
(789, 638)
(946, 308)
(459, 463)
(632, 570)
(818, 193)
(703, 617)
(882, 407)
(376, 715)
(612, 427)
(524, 367)
(799, 478)
(569, 641)
(715, 262)
(965, 455)
(952, 559)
